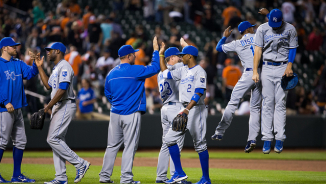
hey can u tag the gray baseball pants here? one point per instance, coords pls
(62, 114)
(12, 125)
(168, 113)
(123, 129)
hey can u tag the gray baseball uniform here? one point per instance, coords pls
(190, 79)
(169, 90)
(275, 45)
(245, 50)
(62, 114)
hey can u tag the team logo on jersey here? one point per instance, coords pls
(64, 73)
(11, 75)
(274, 19)
(202, 79)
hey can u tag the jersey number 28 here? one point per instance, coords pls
(168, 90)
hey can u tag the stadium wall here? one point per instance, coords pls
(301, 132)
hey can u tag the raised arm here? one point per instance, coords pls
(162, 58)
(226, 34)
(29, 72)
(39, 63)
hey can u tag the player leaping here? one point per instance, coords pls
(245, 50)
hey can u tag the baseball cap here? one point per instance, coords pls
(189, 50)
(125, 50)
(171, 51)
(244, 25)
(8, 41)
(57, 46)
(275, 18)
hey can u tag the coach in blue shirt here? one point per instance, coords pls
(124, 88)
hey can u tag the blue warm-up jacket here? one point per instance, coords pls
(12, 74)
(124, 86)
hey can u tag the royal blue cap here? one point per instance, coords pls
(275, 18)
(125, 50)
(244, 26)
(57, 46)
(189, 50)
(171, 51)
(8, 41)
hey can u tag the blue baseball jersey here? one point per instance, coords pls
(124, 86)
(83, 96)
(12, 73)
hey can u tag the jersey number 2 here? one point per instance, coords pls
(252, 50)
(169, 90)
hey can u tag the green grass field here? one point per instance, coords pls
(45, 172)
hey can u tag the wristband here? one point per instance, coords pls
(195, 98)
(187, 109)
(161, 55)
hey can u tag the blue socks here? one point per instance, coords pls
(18, 156)
(204, 157)
(1, 153)
(175, 155)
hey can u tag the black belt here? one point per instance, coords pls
(71, 100)
(248, 69)
(185, 104)
(274, 63)
(172, 103)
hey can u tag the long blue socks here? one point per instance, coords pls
(1, 153)
(175, 155)
(18, 157)
(204, 157)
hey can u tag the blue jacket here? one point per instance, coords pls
(124, 86)
(12, 74)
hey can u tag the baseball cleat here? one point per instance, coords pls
(267, 147)
(184, 182)
(81, 172)
(134, 182)
(177, 177)
(217, 137)
(22, 179)
(278, 146)
(160, 181)
(2, 180)
(107, 181)
(203, 181)
(56, 182)
(250, 146)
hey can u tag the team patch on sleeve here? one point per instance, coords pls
(64, 73)
(202, 79)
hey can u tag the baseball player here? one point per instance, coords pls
(192, 92)
(12, 99)
(124, 88)
(169, 90)
(63, 110)
(277, 41)
(244, 47)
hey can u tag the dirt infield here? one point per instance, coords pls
(289, 165)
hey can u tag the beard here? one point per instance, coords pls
(13, 53)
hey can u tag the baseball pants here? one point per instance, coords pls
(123, 129)
(12, 125)
(196, 126)
(62, 115)
(241, 88)
(274, 103)
(168, 113)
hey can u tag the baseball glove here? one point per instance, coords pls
(179, 123)
(288, 83)
(37, 120)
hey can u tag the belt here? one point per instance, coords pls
(248, 69)
(172, 103)
(185, 104)
(71, 100)
(274, 63)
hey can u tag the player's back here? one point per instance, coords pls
(169, 88)
(244, 48)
